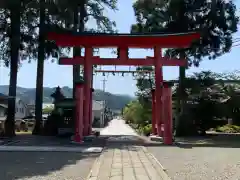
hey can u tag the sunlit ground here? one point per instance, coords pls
(23, 132)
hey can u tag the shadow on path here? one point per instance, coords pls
(20, 165)
(47, 165)
(66, 165)
(119, 132)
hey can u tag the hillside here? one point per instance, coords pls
(113, 101)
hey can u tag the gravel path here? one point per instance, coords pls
(199, 163)
(45, 165)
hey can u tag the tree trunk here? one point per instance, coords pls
(180, 99)
(15, 46)
(76, 50)
(40, 70)
(79, 26)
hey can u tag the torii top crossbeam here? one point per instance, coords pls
(146, 40)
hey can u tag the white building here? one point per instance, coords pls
(21, 109)
(48, 105)
(98, 111)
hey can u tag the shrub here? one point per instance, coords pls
(96, 122)
(146, 130)
(228, 129)
(52, 124)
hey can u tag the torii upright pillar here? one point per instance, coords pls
(158, 89)
(88, 72)
(167, 116)
(79, 98)
(91, 111)
(154, 130)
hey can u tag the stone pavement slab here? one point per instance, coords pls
(126, 163)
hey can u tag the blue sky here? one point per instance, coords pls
(55, 74)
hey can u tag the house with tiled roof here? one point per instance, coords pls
(21, 108)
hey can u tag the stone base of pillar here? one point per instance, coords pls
(77, 139)
(156, 138)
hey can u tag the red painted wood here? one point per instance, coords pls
(90, 107)
(128, 40)
(118, 71)
(158, 89)
(167, 99)
(88, 72)
(157, 42)
(148, 61)
(154, 132)
(78, 137)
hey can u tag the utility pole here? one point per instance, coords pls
(104, 101)
(104, 84)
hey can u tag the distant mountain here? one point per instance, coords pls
(113, 101)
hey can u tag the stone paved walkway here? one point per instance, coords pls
(117, 128)
(125, 162)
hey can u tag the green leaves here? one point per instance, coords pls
(217, 22)
(59, 16)
(136, 113)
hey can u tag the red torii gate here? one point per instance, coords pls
(123, 42)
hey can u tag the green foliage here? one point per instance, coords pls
(146, 130)
(135, 113)
(59, 15)
(139, 111)
(145, 83)
(216, 20)
(228, 129)
(138, 117)
(47, 110)
(210, 101)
